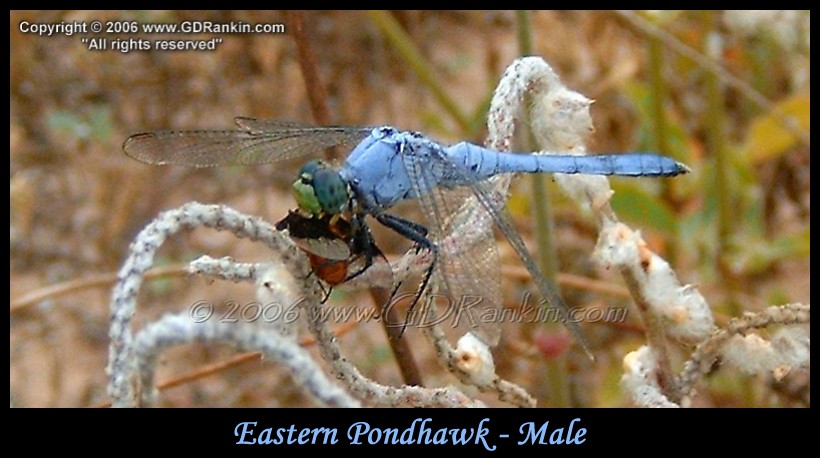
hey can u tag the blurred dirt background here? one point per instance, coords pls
(76, 201)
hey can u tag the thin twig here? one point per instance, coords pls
(174, 330)
(90, 282)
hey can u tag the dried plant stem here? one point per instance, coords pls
(395, 337)
(706, 353)
(370, 391)
(317, 95)
(655, 335)
(89, 282)
(174, 330)
(122, 368)
(451, 359)
(235, 361)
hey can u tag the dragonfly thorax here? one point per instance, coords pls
(320, 189)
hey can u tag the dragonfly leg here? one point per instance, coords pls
(326, 292)
(418, 234)
(363, 243)
(418, 228)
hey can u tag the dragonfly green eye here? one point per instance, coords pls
(319, 188)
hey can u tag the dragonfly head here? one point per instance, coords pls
(320, 189)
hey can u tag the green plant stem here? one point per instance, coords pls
(726, 214)
(715, 135)
(557, 372)
(394, 33)
(659, 125)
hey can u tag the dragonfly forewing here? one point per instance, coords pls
(467, 272)
(257, 142)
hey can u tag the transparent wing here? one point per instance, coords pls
(332, 249)
(461, 221)
(468, 272)
(257, 141)
(486, 202)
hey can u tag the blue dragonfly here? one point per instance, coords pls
(387, 166)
